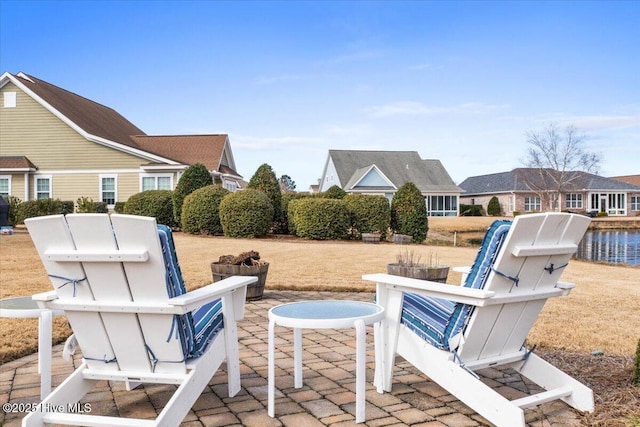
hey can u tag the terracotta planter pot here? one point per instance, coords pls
(433, 274)
(254, 290)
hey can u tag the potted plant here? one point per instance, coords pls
(244, 264)
(408, 264)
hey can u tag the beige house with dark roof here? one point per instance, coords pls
(56, 144)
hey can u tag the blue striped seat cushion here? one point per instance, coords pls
(197, 329)
(437, 320)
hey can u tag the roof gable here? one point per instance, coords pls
(212, 151)
(399, 167)
(369, 177)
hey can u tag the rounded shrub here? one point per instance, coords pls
(320, 219)
(154, 203)
(246, 213)
(334, 192)
(409, 213)
(265, 180)
(493, 208)
(194, 177)
(201, 210)
(369, 214)
(285, 223)
(40, 207)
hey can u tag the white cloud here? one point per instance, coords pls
(270, 143)
(413, 108)
(283, 78)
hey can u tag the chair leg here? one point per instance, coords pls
(70, 391)
(549, 377)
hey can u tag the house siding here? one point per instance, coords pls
(33, 131)
(331, 177)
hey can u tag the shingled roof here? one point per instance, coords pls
(16, 163)
(95, 119)
(524, 179)
(399, 167)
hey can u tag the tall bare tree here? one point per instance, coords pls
(558, 156)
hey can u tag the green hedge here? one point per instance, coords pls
(154, 203)
(201, 210)
(368, 214)
(471, 210)
(333, 192)
(409, 213)
(40, 207)
(493, 208)
(246, 213)
(285, 225)
(320, 219)
(87, 205)
(194, 177)
(264, 179)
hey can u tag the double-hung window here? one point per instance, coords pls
(108, 187)
(5, 186)
(635, 203)
(43, 187)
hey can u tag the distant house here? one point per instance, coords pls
(520, 190)
(56, 144)
(384, 172)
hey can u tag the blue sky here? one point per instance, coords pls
(461, 82)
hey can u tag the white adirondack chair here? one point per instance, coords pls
(449, 331)
(117, 279)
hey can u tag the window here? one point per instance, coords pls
(5, 185)
(43, 187)
(511, 201)
(573, 201)
(532, 204)
(108, 190)
(156, 182)
(442, 205)
(635, 203)
(10, 100)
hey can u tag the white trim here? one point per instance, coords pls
(35, 185)
(17, 170)
(115, 187)
(174, 168)
(86, 171)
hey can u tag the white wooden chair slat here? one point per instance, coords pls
(533, 257)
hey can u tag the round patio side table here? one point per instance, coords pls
(25, 307)
(326, 314)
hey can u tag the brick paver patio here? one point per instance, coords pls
(327, 397)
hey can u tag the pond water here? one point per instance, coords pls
(611, 246)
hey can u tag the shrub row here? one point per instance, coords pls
(19, 210)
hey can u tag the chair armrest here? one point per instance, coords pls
(203, 295)
(464, 295)
(45, 296)
(465, 269)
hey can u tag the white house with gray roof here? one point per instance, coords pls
(521, 190)
(384, 172)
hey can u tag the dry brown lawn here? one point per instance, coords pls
(601, 313)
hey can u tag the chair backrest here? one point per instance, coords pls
(118, 258)
(531, 259)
